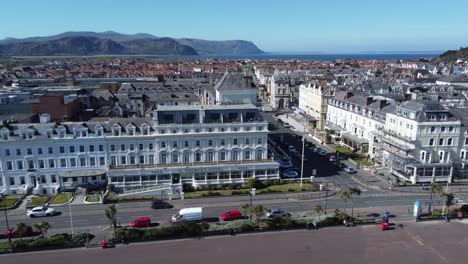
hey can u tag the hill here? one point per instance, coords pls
(453, 55)
(83, 46)
(131, 41)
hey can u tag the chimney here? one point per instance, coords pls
(370, 99)
(383, 103)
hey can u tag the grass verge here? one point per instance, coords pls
(62, 198)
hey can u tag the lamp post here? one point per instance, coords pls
(302, 156)
(71, 218)
(252, 193)
(8, 225)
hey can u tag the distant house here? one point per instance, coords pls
(236, 88)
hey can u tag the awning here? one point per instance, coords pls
(333, 127)
(81, 173)
(354, 138)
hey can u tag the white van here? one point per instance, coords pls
(188, 214)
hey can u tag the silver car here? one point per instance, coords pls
(275, 212)
(40, 211)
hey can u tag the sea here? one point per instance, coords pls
(317, 57)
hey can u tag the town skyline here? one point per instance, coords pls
(298, 27)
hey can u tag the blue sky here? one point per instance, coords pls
(285, 26)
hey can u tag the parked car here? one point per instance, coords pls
(291, 148)
(291, 169)
(40, 211)
(231, 215)
(350, 170)
(290, 174)
(275, 212)
(158, 204)
(141, 222)
(14, 233)
(188, 214)
(286, 165)
(332, 158)
(322, 153)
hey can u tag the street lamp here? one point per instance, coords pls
(252, 193)
(8, 225)
(71, 218)
(302, 157)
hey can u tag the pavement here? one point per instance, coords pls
(427, 242)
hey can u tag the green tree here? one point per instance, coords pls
(42, 227)
(21, 229)
(319, 210)
(354, 191)
(448, 201)
(111, 213)
(345, 195)
(245, 209)
(258, 211)
(252, 183)
(436, 188)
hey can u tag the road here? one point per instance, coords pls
(414, 243)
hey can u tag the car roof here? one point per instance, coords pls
(234, 211)
(38, 207)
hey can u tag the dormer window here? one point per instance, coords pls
(145, 130)
(5, 136)
(84, 133)
(77, 133)
(99, 131)
(116, 131)
(131, 131)
(443, 117)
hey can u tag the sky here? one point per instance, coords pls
(328, 26)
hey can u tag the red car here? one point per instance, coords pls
(14, 233)
(141, 222)
(231, 215)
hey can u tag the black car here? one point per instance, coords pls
(161, 205)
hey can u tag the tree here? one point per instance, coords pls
(258, 211)
(437, 189)
(42, 227)
(21, 229)
(252, 183)
(353, 191)
(346, 195)
(111, 213)
(245, 209)
(319, 210)
(448, 201)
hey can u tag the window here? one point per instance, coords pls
(222, 155)
(247, 154)
(9, 165)
(259, 155)
(50, 150)
(174, 144)
(210, 129)
(99, 132)
(63, 162)
(162, 131)
(132, 160)
(431, 142)
(198, 157)
(163, 144)
(150, 159)
(142, 159)
(91, 148)
(132, 147)
(82, 149)
(442, 129)
(210, 142)
(247, 129)
(449, 142)
(39, 151)
(234, 141)
(450, 129)
(197, 143)
(463, 155)
(72, 149)
(466, 141)
(29, 151)
(113, 160)
(116, 131)
(53, 178)
(30, 164)
(19, 165)
(247, 141)
(51, 163)
(145, 131)
(101, 148)
(41, 164)
(441, 142)
(163, 158)
(92, 161)
(259, 141)
(83, 162)
(72, 162)
(112, 147)
(223, 142)
(122, 147)
(175, 158)
(186, 157)
(102, 161)
(151, 146)
(123, 160)
(140, 146)
(18, 152)
(234, 155)
(433, 129)
(209, 156)
(186, 143)
(7, 152)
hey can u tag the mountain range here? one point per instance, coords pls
(84, 43)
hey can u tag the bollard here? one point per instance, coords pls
(103, 244)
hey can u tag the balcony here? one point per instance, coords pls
(191, 164)
(404, 154)
(399, 142)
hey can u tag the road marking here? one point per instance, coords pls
(84, 220)
(362, 189)
(438, 254)
(418, 240)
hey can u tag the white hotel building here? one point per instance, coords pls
(198, 145)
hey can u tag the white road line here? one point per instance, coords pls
(362, 189)
(438, 254)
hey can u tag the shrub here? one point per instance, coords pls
(330, 221)
(111, 187)
(464, 208)
(131, 234)
(247, 227)
(188, 188)
(233, 186)
(239, 192)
